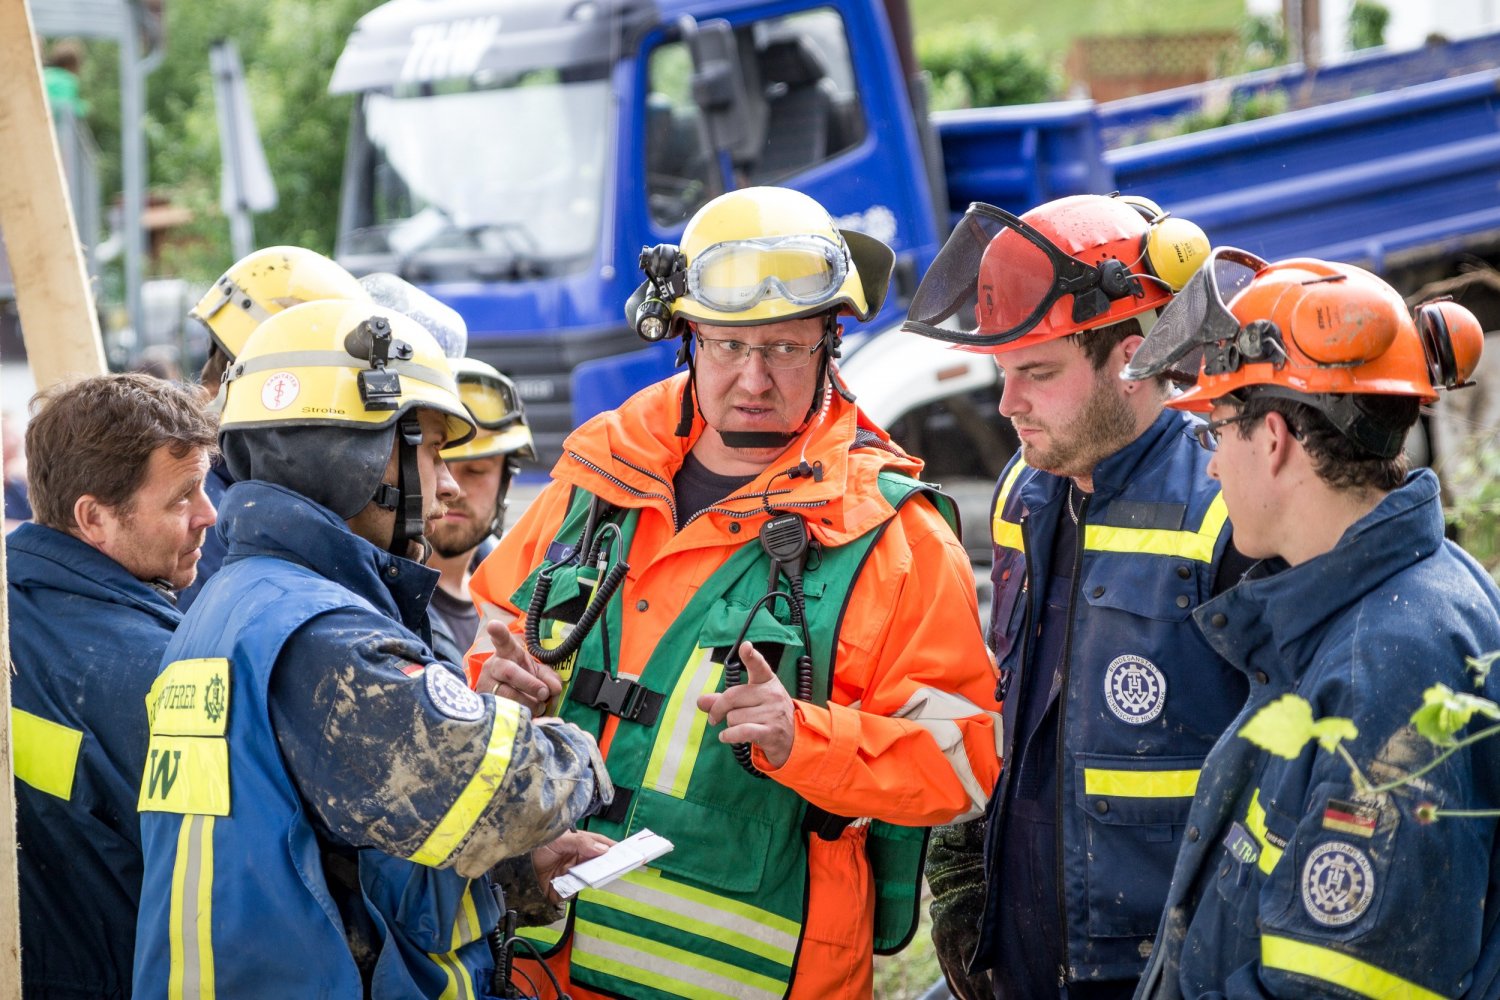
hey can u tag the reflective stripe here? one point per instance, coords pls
(1335, 967)
(1140, 784)
(335, 359)
(1007, 533)
(1197, 545)
(644, 893)
(660, 966)
(191, 976)
(545, 936)
(938, 712)
(679, 735)
(479, 792)
(1255, 819)
(46, 752)
(460, 985)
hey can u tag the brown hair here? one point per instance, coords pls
(1336, 458)
(96, 437)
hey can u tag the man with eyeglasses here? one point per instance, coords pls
(1369, 870)
(1107, 534)
(766, 618)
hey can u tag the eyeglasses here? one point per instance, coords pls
(783, 354)
(1208, 434)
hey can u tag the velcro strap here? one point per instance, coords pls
(618, 809)
(617, 696)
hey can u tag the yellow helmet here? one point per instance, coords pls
(263, 283)
(343, 364)
(760, 255)
(497, 410)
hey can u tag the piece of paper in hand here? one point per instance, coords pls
(626, 856)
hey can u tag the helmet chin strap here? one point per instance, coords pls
(776, 439)
(405, 498)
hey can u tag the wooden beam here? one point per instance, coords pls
(58, 321)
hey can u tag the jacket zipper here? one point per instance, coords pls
(671, 504)
(1062, 718)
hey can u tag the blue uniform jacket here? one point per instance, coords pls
(86, 638)
(312, 768)
(1142, 698)
(1292, 884)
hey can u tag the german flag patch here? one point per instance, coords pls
(1355, 818)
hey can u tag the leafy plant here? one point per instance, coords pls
(978, 65)
(1367, 21)
(1286, 725)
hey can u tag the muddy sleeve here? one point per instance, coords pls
(392, 750)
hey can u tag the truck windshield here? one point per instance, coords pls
(484, 180)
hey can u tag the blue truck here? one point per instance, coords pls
(514, 156)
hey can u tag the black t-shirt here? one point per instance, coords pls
(696, 488)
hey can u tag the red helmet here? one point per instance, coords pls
(1074, 264)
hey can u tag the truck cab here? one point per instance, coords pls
(514, 156)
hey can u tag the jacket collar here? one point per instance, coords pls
(263, 519)
(629, 455)
(1275, 623)
(62, 561)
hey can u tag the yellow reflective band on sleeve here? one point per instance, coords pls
(186, 774)
(191, 976)
(477, 794)
(46, 752)
(1007, 534)
(680, 735)
(662, 967)
(1140, 784)
(1329, 966)
(1196, 545)
(1255, 819)
(190, 698)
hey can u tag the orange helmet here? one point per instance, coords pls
(1310, 330)
(1074, 264)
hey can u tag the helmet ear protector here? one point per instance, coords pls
(1171, 249)
(1452, 341)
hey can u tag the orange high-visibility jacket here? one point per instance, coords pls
(911, 729)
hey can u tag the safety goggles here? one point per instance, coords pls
(802, 270)
(1196, 332)
(1032, 274)
(493, 402)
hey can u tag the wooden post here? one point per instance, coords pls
(61, 331)
(58, 321)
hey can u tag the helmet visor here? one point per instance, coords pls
(437, 318)
(802, 270)
(1030, 273)
(1197, 317)
(493, 402)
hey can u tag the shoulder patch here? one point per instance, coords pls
(1134, 689)
(451, 696)
(1338, 883)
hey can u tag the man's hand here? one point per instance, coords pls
(510, 672)
(759, 711)
(572, 848)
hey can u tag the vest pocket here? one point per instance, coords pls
(1133, 810)
(711, 846)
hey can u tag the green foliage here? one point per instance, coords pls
(979, 66)
(1367, 21)
(1285, 725)
(1261, 104)
(1445, 711)
(1264, 42)
(1475, 516)
(288, 48)
(1480, 666)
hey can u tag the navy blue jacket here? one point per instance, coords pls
(1142, 697)
(1294, 885)
(86, 638)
